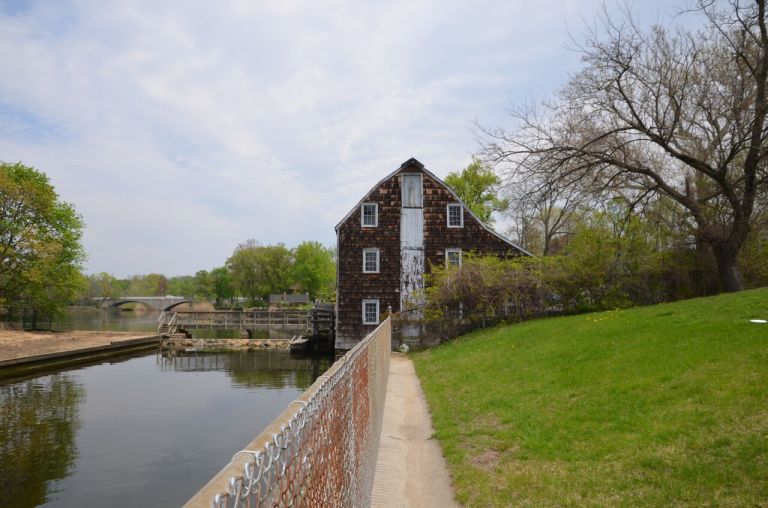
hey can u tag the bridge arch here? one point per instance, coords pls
(171, 307)
(162, 303)
(120, 303)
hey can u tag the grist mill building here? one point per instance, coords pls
(407, 222)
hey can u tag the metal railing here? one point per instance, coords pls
(322, 450)
(423, 327)
(166, 323)
(234, 320)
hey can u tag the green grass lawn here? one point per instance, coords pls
(655, 406)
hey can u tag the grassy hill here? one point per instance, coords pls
(654, 406)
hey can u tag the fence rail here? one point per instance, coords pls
(242, 320)
(299, 320)
(421, 327)
(322, 450)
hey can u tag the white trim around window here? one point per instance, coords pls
(371, 259)
(373, 212)
(453, 223)
(455, 254)
(370, 312)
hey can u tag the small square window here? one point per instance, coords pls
(369, 215)
(455, 215)
(453, 257)
(370, 312)
(370, 260)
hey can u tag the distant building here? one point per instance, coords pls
(407, 222)
(289, 299)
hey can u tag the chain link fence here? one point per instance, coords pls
(322, 450)
(422, 327)
(413, 328)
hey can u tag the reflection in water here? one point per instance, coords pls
(152, 430)
(38, 425)
(249, 369)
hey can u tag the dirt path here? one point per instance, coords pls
(411, 470)
(16, 345)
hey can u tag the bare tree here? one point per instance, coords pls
(668, 111)
(544, 208)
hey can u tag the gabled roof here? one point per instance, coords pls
(414, 163)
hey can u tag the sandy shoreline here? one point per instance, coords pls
(20, 344)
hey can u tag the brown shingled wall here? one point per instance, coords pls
(354, 286)
(438, 236)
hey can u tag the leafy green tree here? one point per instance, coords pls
(203, 284)
(478, 186)
(223, 289)
(40, 242)
(158, 284)
(137, 286)
(244, 266)
(58, 285)
(276, 263)
(314, 268)
(104, 285)
(182, 285)
(121, 286)
(153, 284)
(258, 271)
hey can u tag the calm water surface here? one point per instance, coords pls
(146, 430)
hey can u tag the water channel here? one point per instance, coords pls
(145, 429)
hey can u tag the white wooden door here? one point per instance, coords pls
(412, 192)
(411, 241)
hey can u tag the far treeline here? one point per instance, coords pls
(252, 272)
(41, 260)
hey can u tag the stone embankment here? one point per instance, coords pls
(23, 347)
(183, 343)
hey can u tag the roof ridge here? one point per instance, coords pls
(415, 162)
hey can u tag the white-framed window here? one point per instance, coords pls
(369, 215)
(370, 312)
(455, 214)
(370, 260)
(453, 257)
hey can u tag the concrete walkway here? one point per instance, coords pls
(411, 470)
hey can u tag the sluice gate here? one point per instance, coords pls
(318, 322)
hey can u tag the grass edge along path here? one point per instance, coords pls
(652, 406)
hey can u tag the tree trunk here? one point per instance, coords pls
(728, 269)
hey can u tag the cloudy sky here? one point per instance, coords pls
(179, 129)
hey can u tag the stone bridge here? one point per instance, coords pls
(155, 302)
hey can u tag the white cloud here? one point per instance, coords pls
(179, 129)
